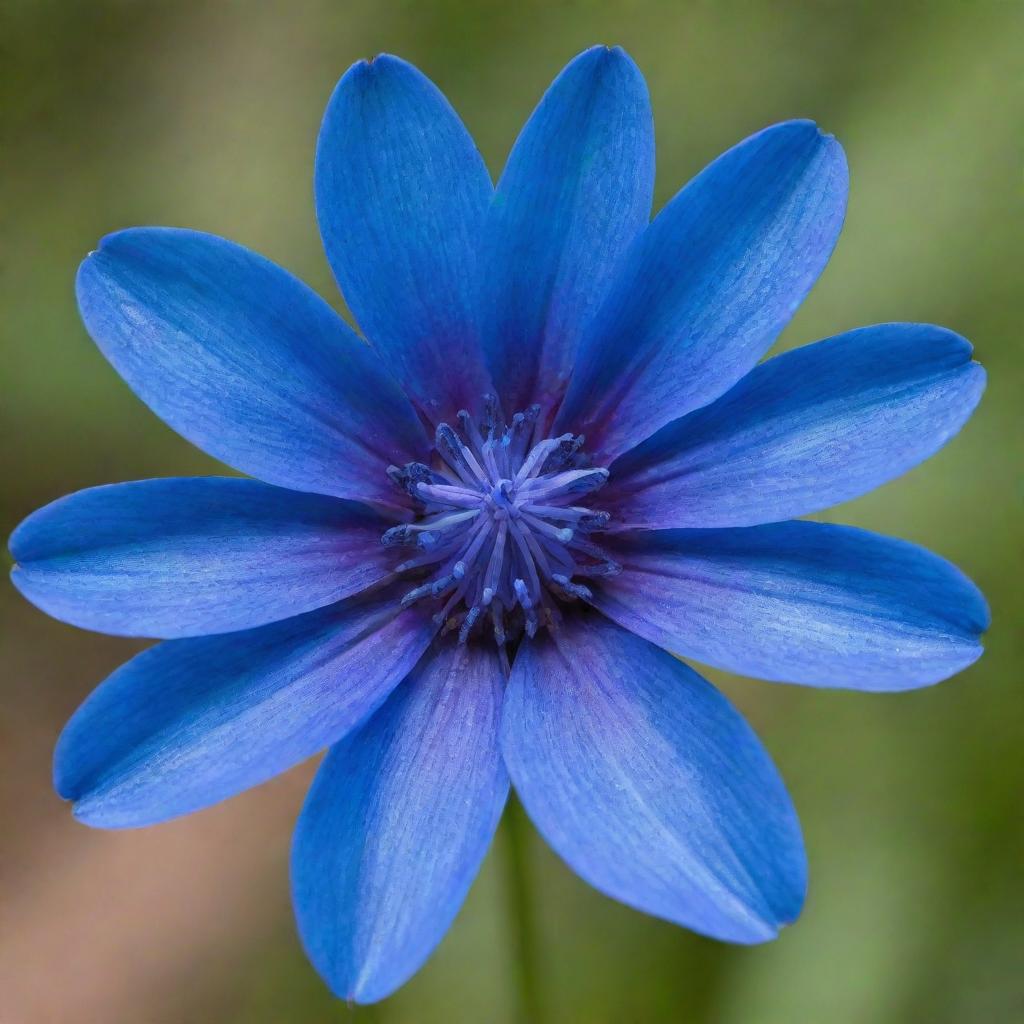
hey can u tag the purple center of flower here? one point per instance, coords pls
(500, 537)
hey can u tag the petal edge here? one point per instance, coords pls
(396, 824)
(246, 362)
(401, 196)
(194, 556)
(649, 785)
(811, 428)
(707, 288)
(799, 602)
(191, 722)
(576, 190)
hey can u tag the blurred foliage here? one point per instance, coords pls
(205, 115)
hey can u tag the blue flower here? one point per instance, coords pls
(470, 543)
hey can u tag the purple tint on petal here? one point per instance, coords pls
(575, 192)
(247, 363)
(401, 197)
(647, 782)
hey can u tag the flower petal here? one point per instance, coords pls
(247, 363)
(191, 557)
(398, 820)
(804, 431)
(647, 782)
(401, 195)
(799, 602)
(191, 722)
(575, 192)
(708, 286)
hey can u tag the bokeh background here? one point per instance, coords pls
(205, 115)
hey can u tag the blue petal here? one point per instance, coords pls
(190, 557)
(709, 286)
(401, 196)
(398, 820)
(799, 603)
(804, 431)
(191, 722)
(575, 192)
(642, 776)
(247, 363)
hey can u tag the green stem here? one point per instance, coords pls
(516, 829)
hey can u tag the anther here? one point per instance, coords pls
(468, 622)
(409, 476)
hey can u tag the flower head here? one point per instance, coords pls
(471, 539)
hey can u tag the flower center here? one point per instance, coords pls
(501, 538)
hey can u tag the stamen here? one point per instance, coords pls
(581, 518)
(538, 455)
(468, 622)
(458, 456)
(446, 494)
(575, 589)
(526, 560)
(499, 530)
(407, 477)
(469, 429)
(494, 565)
(492, 415)
(569, 484)
(564, 455)
(563, 534)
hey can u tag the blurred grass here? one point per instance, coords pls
(205, 115)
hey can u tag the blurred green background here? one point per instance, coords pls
(205, 115)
